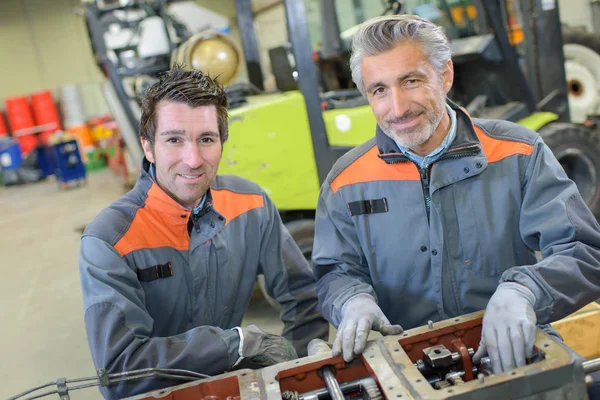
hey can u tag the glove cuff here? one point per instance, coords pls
(358, 296)
(241, 345)
(523, 290)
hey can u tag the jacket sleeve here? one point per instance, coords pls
(289, 279)
(555, 221)
(119, 328)
(338, 261)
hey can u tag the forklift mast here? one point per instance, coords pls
(307, 79)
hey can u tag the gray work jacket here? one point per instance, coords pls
(434, 243)
(162, 291)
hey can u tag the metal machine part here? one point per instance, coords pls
(366, 388)
(442, 368)
(333, 387)
(391, 367)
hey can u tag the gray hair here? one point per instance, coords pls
(380, 34)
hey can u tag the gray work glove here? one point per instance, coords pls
(259, 349)
(360, 314)
(509, 327)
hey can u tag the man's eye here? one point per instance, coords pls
(207, 140)
(411, 82)
(378, 91)
(172, 140)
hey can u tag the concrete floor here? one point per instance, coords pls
(43, 335)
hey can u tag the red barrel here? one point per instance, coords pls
(3, 128)
(20, 117)
(45, 113)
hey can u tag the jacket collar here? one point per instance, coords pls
(159, 201)
(465, 137)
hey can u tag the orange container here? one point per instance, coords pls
(19, 113)
(83, 135)
(45, 114)
(3, 128)
(20, 117)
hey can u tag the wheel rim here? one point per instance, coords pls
(582, 69)
(580, 169)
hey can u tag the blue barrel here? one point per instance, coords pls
(10, 155)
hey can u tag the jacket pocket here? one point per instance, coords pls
(463, 234)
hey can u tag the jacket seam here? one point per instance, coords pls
(257, 190)
(502, 137)
(336, 171)
(533, 155)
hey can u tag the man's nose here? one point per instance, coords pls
(192, 156)
(400, 105)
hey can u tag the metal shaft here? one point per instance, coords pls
(354, 386)
(592, 365)
(332, 384)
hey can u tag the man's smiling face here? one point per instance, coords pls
(187, 150)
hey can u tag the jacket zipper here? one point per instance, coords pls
(425, 172)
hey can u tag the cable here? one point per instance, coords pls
(104, 379)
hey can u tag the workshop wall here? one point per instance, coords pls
(46, 44)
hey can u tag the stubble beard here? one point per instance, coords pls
(417, 135)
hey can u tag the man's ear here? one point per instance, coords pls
(448, 76)
(148, 149)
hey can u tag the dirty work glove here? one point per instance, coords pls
(509, 327)
(360, 314)
(259, 349)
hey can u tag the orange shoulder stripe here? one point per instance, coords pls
(370, 168)
(498, 149)
(231, 204)
(149, 229)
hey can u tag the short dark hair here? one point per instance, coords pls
(188, 86)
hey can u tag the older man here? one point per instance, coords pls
(440, 214)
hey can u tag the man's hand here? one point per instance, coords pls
(259, 349)
(509, 327)
(360, 314)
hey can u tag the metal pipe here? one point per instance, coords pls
(335, 392)
(592, 365)
(354, 386)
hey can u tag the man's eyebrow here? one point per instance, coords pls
(209, 133)
(170, 132)
(411, 74)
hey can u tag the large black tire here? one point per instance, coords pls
(577, 148)
(582, 68)
(303, 232)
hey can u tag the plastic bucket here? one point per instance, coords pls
(83, 135)
(19, 113)
(3, 127)
(45, 113)
(20, 117)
